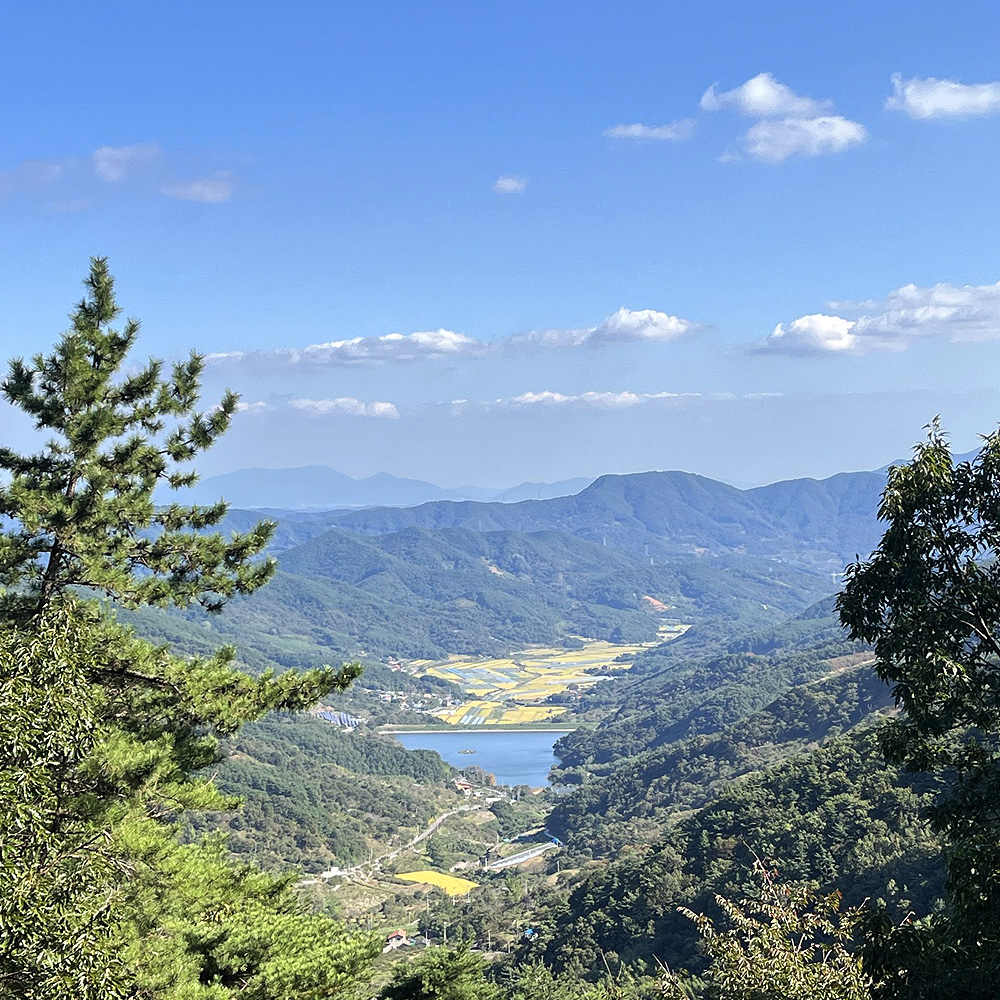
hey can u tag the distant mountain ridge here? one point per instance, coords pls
(318, 487)
(487, 577)
(821, 524)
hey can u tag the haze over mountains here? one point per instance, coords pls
(816, 523)
(317, 487)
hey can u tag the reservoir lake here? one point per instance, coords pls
(515, 756)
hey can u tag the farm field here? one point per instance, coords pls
(451, 884)
(511, 690)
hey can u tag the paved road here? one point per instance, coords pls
(521, 857)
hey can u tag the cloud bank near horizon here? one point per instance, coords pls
(621, 327)
(545, 435)
(951, 313)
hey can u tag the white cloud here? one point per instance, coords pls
(813, 334)
(776, 140)
(508, 184)
(592, 399)
(674, 132)
(623, 326)
(347, 406)
(115, 163)
(78, 182)
(210, 190)
(933, 98)
(763, 96)
(609, 400)
(436, 343)
(640, 324)
(540, 401)
(550, 401)
(429, 344)
(789, 123)
(953, 313)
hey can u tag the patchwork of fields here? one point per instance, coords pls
(510, 690)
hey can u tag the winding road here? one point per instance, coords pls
(374, 863)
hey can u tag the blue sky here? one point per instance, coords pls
(644, 235)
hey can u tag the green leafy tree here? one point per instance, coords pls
(787, 944)
(928, 600)
(441, 974)
(108, 733)
(57, 873)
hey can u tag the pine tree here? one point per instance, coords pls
(84, 506)
(108, 735)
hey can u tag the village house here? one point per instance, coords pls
(397, 939)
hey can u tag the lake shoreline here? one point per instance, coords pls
(475, 729)
(513, 756)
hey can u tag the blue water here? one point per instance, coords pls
(516, 757)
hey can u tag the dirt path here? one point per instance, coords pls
(368, 867)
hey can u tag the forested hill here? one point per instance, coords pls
(445, 577)
(839, 816)
(679, 724)
(820, 523)
(422, 593)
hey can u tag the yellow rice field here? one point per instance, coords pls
(451, 884)
(503, 690)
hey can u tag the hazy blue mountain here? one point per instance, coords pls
(819, 523)
(318, 487)
(539, 491)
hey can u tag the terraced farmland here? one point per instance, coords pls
(510, 690)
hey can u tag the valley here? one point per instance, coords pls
(665, 678)
(558, 698)
(519, 689)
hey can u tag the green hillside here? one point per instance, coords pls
(314, 796)
(630, 799)
(425, 594)
(838, 817)
(817, 523)
(675, 691)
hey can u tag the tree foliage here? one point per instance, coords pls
(928, 600)
(788, 943)
(58, 874)
(84, 506)
(105, 735)
(441, 974)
